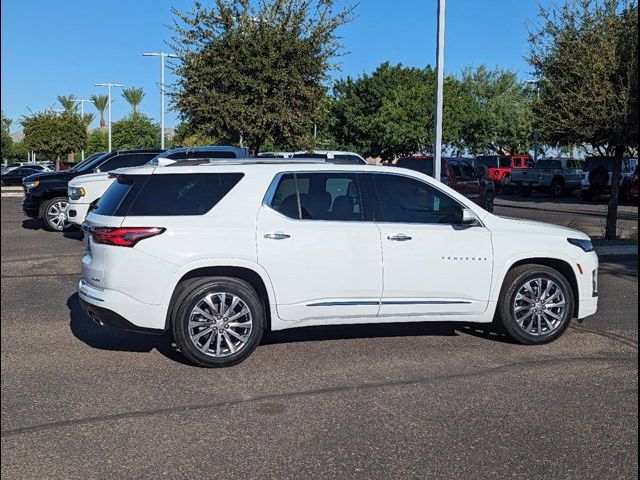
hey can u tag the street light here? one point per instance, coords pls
(162, 56)
(109, 85)
(81, 101)
(536, 84)
(437, 157)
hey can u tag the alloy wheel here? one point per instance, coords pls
(57, 214)
(540, 306)
(220, 324)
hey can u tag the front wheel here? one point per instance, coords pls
(535, 306)
(219, 321)
(54, 214)
(556, 189)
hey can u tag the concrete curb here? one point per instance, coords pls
(617, 250)
(11, 189)
(12, 192)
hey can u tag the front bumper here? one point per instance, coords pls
(77, 212)
(587, 276)
(30, 207)
(110, 307)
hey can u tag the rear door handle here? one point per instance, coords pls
(399, 237)
(277, 236)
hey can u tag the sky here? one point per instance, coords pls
(62, 47)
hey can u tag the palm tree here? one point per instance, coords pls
(88, 118)
(134, 97)
(100, 102)
(68, 102)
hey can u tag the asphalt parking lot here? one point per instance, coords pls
(394, 401)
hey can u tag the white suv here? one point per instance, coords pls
(219, 253)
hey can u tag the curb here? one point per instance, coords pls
(11, 194)
(617, 250)
(11, 189)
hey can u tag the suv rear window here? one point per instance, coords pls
(166, 195)
(422, 165)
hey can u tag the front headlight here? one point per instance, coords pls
(585, 245)
(75, 193)
(30, 185)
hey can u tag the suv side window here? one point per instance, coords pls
(407, 200)
(319, 196)
(122, 161)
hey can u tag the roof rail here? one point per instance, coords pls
(246, 161)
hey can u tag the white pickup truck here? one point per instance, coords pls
(86, 190)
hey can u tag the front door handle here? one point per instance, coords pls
(277, 236)
(399, 237)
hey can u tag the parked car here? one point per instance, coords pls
(331, 156)
(85, 190)
(457, 173)
(46, 193)
(498, 167)
(40, 166)
(555, 176)
(15, 175)
(598, 172)
(217, 254)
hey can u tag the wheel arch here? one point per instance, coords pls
(246, 273)
(561, 265)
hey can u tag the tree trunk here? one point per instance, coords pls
(611, 231)
(58, 162)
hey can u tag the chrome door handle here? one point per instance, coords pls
(277, 236)
(399, 237)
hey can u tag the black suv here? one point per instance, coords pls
(45, 194)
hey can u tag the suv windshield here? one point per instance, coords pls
(88, 163)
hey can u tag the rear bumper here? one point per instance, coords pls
(77, 212)
(110, 307)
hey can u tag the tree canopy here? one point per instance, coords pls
(135, 131)
(585, 56)
(255, 70)
(54, 134)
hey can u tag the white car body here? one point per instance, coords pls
(325, 272)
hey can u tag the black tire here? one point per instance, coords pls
(599, 177)
(586, 195)
(505, 320)
(189, 298)
(46, 211)
(556, 189)
(524, 191)
(489, 199)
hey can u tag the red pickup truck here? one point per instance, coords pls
(499, 167)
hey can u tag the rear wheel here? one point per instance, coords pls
(536, 305)
(54, 214)
(219, 321)
(557, 189)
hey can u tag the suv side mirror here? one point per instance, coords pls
(469, 218)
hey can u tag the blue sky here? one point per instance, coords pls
(54, 47)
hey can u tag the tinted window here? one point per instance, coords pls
(596, 162)
(505, 162)
(490, 162)
(127, 160)
(90, 162)
(406, 200)
(319, 196)
(182, 194)
(309, 155)
(115, 194)
(549, 164)
(347, 160)
(422, 165)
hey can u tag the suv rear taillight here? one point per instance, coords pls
(122, 236)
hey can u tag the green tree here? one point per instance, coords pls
(100, 102)
(7, 141)
(68, 103)
(585, 56)
(390, 113)
(98, 141)
(134, 97)
(255, 69)
(54, 135)
(497, 113)
(88, 119)
(135, 131)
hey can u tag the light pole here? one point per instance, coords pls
(82, 101)
(109, 85)
(536, 136)
(437, 157)
(162, 56)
